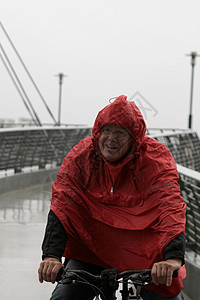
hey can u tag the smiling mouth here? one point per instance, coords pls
(111, 147)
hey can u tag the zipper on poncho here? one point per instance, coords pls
(112, 190)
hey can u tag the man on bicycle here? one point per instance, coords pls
(116, 203)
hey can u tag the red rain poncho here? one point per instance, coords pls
(120, 215)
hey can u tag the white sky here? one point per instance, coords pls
(106, 48)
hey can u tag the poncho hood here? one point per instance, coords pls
(122, 113)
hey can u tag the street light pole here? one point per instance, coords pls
(193, 60)
(60, 76)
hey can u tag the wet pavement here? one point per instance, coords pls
(23, 216)
(22, 224)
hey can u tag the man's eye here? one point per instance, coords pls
(106, 130)
(121, 132)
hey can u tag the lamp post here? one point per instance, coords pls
(60, 76)
(193, 60)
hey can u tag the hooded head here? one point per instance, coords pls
(121, 113)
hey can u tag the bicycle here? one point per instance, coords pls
(107, 284)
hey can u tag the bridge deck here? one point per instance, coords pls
(22, 223)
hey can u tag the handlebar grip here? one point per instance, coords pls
(175, 274)
(59, 275)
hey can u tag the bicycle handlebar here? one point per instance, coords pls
(108, 282)
(136, 276)
(133, 275)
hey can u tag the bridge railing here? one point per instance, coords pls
(184, 146)
(37, 147)
(190, 189)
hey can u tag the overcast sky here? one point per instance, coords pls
(106, 48)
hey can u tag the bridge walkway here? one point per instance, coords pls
(22, 223)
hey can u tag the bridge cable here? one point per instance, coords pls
(21, 95)
(16, 77)
(28, 73)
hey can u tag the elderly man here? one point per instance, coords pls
(116, 203)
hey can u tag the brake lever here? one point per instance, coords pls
(60, 274)
(65, 277)
(142, 278)
(68, 278)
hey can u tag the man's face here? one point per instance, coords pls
(114, 142)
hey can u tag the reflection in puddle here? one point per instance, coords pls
(29, 205)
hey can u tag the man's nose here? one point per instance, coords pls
(113, 136)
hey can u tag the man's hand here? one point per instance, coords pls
(49, 269)
(162, 271)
